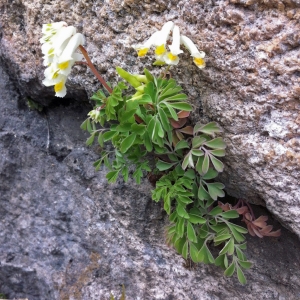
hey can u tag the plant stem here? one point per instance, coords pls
(89, 63)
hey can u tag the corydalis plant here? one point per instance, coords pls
(59, 45)
(159, 40)
(185, 158)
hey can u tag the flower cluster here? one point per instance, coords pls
(159, 40)
(59, 43)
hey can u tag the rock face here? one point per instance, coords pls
(250, 86)
(67, 234)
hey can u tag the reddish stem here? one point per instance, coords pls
(85, 54)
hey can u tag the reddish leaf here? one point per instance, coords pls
(183, 114)
(266, 229)
(274, 233)
(261, 221)
(250, 229)
(242, 210)
(257, 232)
(179, 123)
(138, 119)
(179, 135)
(187, 130)
(225, 207)
(175, 139)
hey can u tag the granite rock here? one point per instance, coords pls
(251, 85)
(65, 233)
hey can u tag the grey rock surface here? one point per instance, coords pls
(251, 85)
(66, 234)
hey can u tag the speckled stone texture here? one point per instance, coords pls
(250, 86)
(65, 234)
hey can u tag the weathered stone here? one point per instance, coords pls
(67, 234)
(250, 86)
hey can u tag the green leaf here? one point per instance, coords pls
(216, 163)
(210, 174)
(204, 255)
(240, 275)
(149, 76)
(160, 130)
(128, 77)
(230, 214)
(218, 152)
(228, 248)
(125, 127)
(197, 152)
(205, 164)
(181, 105)
(243, 246)
(202, 193)
(230, 270)
(185, 250)
(181, 145)
(179, 243)
(195, 216)
(210, 128)
(215, 211)
(217, 143)
(172, 112)
(186, 161)
(179, 97)
(108, 135)
(245, 264)
(238, 236)
(112, 176)
(150, 90)
(83, 126)
(241, 256)
(125, 173)
(90, 140)
(221, 238)
(189, 174)
(89, 126)
(138, 128)
(100, 140)
(127, 116)
(193, 253)
(214, 190)
(181, 211)
(127, 142)
(198, 141)
(180, 225)
(164, 119)
(162, 165)
(219, 261)
(238, 228)
(148, 143)
(191, 233)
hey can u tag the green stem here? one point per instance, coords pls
(96, 73)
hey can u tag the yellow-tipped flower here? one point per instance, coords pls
(161, 40)
(142, 49)
(59, 45)
(198, 55)
(171, 58)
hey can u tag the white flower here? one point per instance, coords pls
(60, 87)
(198, 55)
(157, 39)
(171, 58)
(142, 49)
(59, 45)
(161, 40)
(49, 30)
